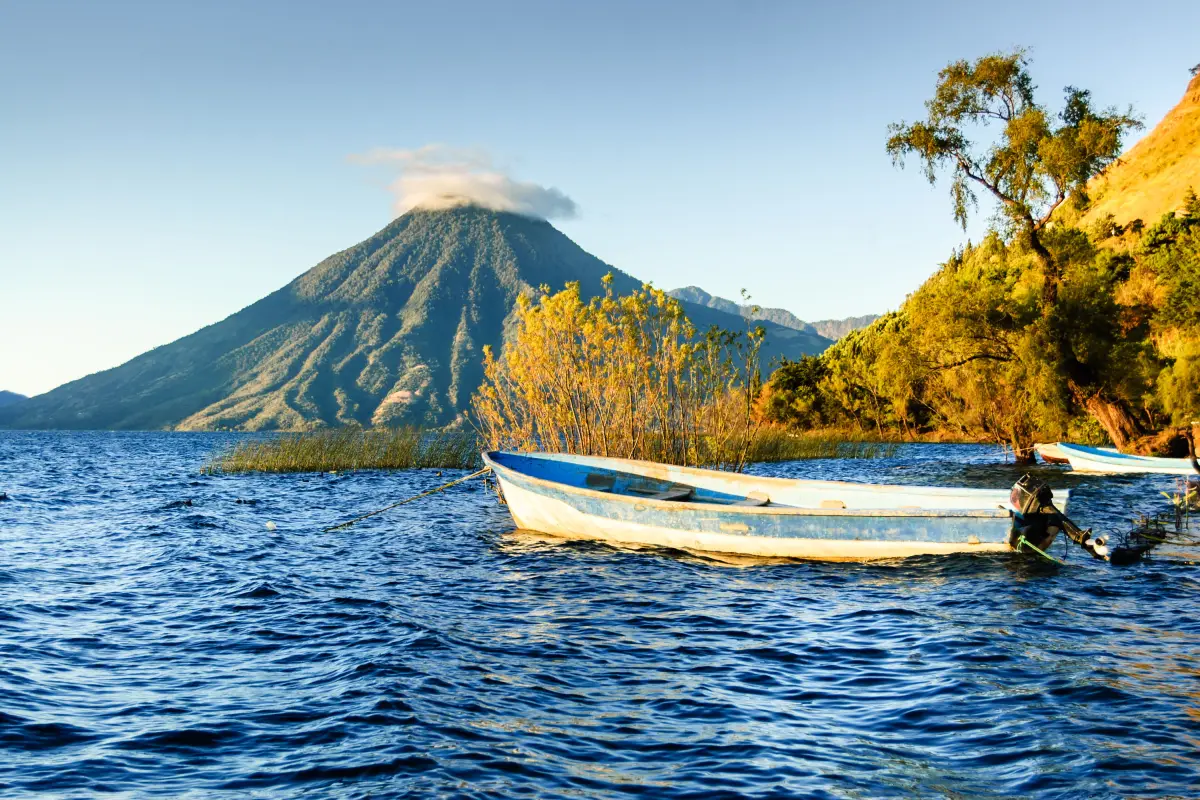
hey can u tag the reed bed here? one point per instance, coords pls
(776, 443)
(343, 449)
(347, 449)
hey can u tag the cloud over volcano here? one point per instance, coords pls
(439, 176)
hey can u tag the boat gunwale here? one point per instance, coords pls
(999, 512)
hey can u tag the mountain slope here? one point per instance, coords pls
(1153, 177)
(830, 329)
(780, 316)
(8, 398)
(389, 331)
(837, 328)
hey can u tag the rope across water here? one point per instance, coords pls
(441, 488)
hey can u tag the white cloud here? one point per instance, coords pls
(438, 176)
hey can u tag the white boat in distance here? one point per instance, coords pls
(1095, 459)
(1052, 454)
(644, 503)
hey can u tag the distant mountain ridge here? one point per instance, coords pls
(831, 329)
(8, 398)
(389, 331)
(837, 328)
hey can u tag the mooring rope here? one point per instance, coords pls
(1022, 541)
(441, 488)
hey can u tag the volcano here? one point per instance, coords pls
(387, 332)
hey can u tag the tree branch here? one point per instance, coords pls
(1058, 201)
(965, 165)
(969, 359)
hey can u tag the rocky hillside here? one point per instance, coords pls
(830, 329)
(1155, 175)
(8, 398)
(389, 331)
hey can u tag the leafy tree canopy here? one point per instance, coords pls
(1031, 163)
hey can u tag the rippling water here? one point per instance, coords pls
(157, 638)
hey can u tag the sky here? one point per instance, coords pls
(163, 165)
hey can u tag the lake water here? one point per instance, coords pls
(158, 639)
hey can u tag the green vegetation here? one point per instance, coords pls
(351, 448)
(771, 443)
(1043, 330)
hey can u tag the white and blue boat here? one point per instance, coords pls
(1104, 460)
(643, 503)
(1051, 452)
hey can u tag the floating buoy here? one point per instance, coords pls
(270, 526)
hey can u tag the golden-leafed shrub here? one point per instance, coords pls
(620, 376)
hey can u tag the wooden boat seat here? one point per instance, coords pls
(753, 499)
(600, 482)
(679, 493)
(833, 504)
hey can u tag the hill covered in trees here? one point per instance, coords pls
(389, 331)
(1045, 330)
(8, 398)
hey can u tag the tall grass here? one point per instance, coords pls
(351, 449)
(620, 376)
(346, 449)
(778, 443)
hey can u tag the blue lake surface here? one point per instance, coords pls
(157, 639)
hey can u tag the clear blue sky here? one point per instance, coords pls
(163, 164)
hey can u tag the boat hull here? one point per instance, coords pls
(788, 532)
(1050, 453)
(1091, 459)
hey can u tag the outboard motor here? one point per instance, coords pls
(1037, 521)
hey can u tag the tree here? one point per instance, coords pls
(1169, 256)
(1034, 164)
(793, 396)
(1191, 204)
